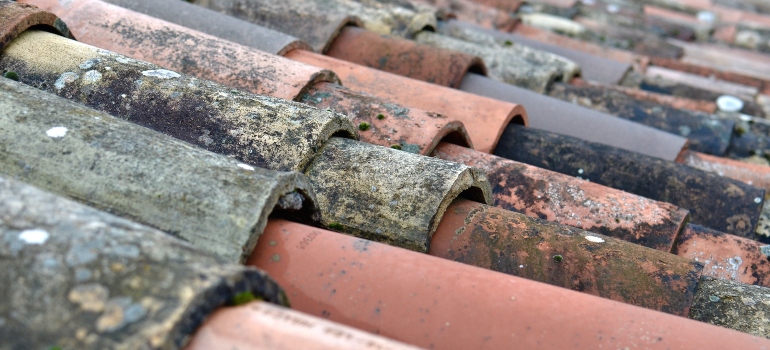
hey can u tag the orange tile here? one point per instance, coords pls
(143, 37)
(387, 124)
(484, 118)
(436, 303)
(752, 174)
(404, 57)
(478, 12)
(724, 256)
(571, 201)
(16, 18)
(512, 243)
(261, 325)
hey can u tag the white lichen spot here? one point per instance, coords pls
(521, 266)
(92, 76)
(122, 59)
(594, 239)
(580, 171)
(88, 64)
(612, 8)
(246, 166)
(64, 79)
(735, 266)
(34, 236)
(727, 103)
(56, 132)
(745, 118)
(161, 74)
(706, 16)
(757, 200)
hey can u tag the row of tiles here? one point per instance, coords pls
(116, 290)
(86, 68)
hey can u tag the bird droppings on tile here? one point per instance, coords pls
(594, 239)
(56, 132)
(161, 74)
(34, 236)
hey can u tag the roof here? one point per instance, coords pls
(320, 171)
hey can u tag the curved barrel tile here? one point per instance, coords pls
(78, 278)
(548, 113)
(216, 24)
(388, 195)
(404, 57)
(713, 201)
(506, 64)
(261, 325)
(484, 118)
(572, 201)
(316, 25)
(217, 204)
(262, 131)
(389, 124)
(372, 287)
(186, 51)
(515, 244)
(17, 18)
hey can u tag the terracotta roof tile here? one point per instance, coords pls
(484, 118)
(399, 197)
(706, 132)
(453, 305)
(261, 325)
(79, 278)
(101, 160)
(571, 201)
(592, 67)
(566, 257)
(564, 118)
(404, 57)
(646, 176)
(188, 15)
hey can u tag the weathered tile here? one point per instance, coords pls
(191, 16)
(713, 201)
(592, 67)
(75, 277)
(724, 256)
(572, 201)
(404, 57)
(565, 118)
(374, 287)
(707, 133)
(515, 244)
(732, 305)
(218, 204)
(484, 118)
(282, 135)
